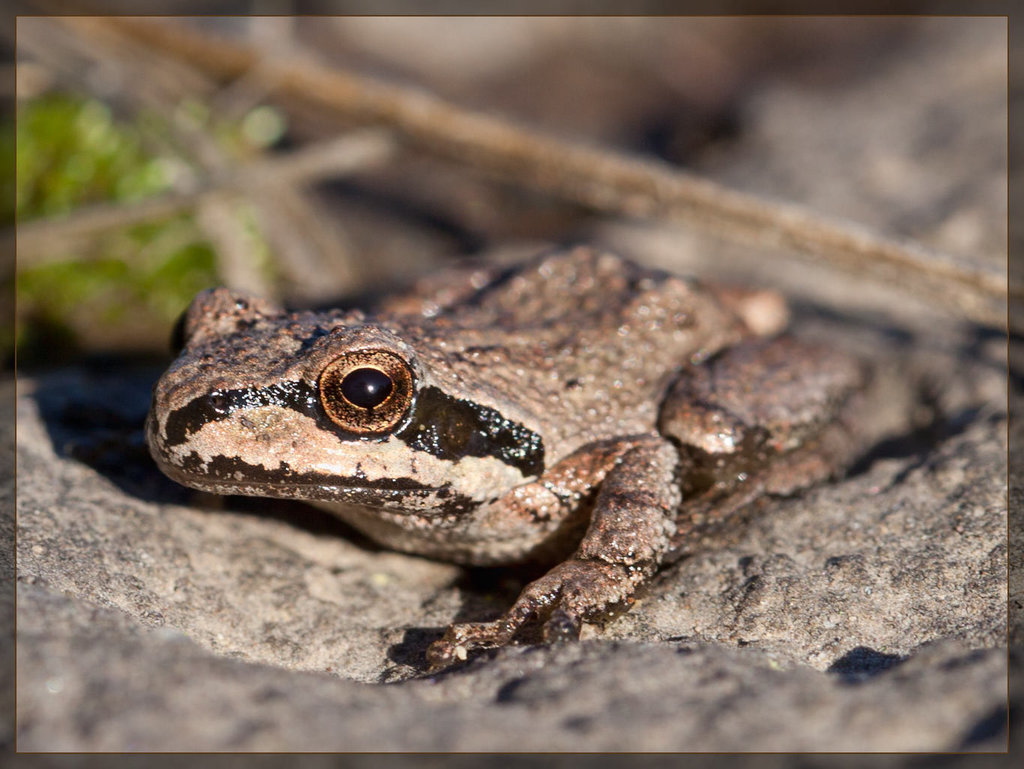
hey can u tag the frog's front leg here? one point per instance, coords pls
(630, 530)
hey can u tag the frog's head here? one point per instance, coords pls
(325, 407)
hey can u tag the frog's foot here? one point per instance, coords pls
(560, 600)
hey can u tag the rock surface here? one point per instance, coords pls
(107, 676)
(810, 629)
(868, 614)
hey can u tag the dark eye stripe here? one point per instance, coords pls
(452, 428)
(220, 404)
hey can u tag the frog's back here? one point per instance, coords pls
(586, 340)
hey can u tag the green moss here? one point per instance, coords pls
(71, 152)
(123, 287)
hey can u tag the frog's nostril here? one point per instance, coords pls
(219, 401)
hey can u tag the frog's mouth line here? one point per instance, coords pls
(230, 475)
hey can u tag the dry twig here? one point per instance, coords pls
(96, 57)
(601, 179)
(332, 158)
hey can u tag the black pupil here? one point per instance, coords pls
(366, 387)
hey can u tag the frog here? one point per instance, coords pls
(578, 410)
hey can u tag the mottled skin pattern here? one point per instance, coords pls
(579, 408)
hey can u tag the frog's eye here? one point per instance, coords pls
(366, 391)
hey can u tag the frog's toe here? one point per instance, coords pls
(562, 627)
(455, 645)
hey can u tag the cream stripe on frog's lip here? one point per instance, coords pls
(220, 476)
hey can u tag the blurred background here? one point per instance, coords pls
(143, 178)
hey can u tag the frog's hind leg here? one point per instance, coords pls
(769, 416)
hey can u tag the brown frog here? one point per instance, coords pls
(579, 410)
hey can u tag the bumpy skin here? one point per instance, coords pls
(562, 410)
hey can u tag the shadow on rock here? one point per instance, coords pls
(861, 663)
(95, 413)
